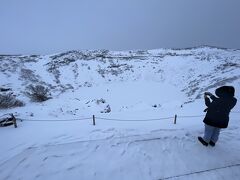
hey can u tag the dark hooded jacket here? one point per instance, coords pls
(218, 110)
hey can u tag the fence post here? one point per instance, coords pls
(94, 122)
(14, 121)
(175, 119)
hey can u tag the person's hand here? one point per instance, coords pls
(207, 94)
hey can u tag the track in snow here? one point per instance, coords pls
(150, 156)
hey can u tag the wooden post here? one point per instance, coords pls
(94, 122)
(175, 119)
(14, 121)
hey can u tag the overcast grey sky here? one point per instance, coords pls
(49, 26)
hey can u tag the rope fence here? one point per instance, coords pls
(140, 120)
(53, 120)
(191, 116)
(93, 118)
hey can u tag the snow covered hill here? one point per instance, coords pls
(135, 85)
(183, 74)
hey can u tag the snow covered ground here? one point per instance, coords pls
(159, 84)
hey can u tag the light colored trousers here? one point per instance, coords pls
(211, 133)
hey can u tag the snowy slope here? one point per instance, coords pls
(135, 85)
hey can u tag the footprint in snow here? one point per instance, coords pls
(109, 130)
(56, 137)
(96, 130)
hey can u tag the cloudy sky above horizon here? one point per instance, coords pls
(50, 26)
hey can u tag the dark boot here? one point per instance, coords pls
(211, 143)
(202, 141)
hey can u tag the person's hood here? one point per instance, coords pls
(225, 91)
